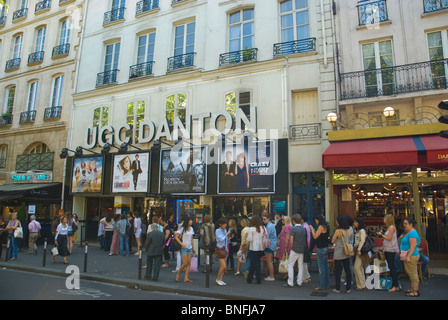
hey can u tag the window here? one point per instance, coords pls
(176, 104)
(32, 96)
(9, 103)
(57, 91)
(38, 148)
(135, 114)
(241, 30)
(438, 50)
(101, 117)
(378, 55)
(184, 39)
(372, 11)
(111, 59)
(238, 100)
(295, 23)
(377, 119)
(17, 47)
(64, 37)
(3, 155)
(40, 39)
(145, 52)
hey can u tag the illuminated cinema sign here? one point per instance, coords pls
(32, 177)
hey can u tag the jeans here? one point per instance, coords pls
(108, 240)
(101, 241)
(248, 260)
(323, 282)
(157, 261)
(124, 241)
(12, 246)
(255, 266)
(390, 258)
(338, 265)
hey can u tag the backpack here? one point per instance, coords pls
(369, 244)
(128, 228)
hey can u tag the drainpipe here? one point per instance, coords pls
(324, 39)
(285, 103)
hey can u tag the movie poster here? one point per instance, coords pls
(131, 173)
(183, 172)
(87, 174)
(247, 168)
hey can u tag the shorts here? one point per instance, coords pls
(186, 251)
(138, 233)
(267, 250)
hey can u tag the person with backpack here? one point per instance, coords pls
(124, 228)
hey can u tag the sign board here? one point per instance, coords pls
(35, 177)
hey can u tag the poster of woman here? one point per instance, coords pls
(87, 175)
(130, 173)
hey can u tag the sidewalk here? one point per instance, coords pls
(124, 271)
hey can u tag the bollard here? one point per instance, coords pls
(140, 264)
(44, 262)
(207, 269)
(85, 256)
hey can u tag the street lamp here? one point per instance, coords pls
(388, 112)
(332, 118)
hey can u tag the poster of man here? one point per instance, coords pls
(87, 175)
(130, 173)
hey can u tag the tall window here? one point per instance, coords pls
(32, 96)
(176, 104)
(9, 103)
(295, 24)
(378, 55)
(118, 4)
(64, 37)
(438, 50)
(238, 100)
(40, 39)
(101, 117)
(17, 47)
(145, 52)
(3, 155)
(135, 114)
(184, 39)
(111, 59)
(241, 30)
(57, 91)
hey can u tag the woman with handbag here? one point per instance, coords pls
(410, 255)
(222, 241)
(13, 224)
(256, 250)
(390, 249)
(342, 253)
(186, 233)
(361, 259)
(321, 239)
(60, 240)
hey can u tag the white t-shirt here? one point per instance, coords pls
(187, 237)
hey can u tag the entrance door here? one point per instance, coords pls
(309, 194)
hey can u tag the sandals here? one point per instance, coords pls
(413, 293)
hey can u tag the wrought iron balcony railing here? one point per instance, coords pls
(370, 12)
(12, 64)
(21, 13)
(305, 131)
(5, 120)
(46, 4)
(27, 116)
(297, 46)
(61, 50)
(181, 61)
(429, 75)
(141, 70)
(238, 57)
(176, 1)
(435, 5)
(2, 21)
(146, 5)
(52, 113)
(36, 57)
(113, 15)
(107, 77)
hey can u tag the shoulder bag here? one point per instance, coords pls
(18, 233)
(348, 247)
(265, 239)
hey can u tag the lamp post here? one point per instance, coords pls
(388, 112)
(332, 118)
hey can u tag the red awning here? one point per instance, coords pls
(398, 152)
(436, 151)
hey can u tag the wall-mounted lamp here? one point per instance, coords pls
(332, 118)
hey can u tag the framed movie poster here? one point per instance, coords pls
(183, 171)
(87, 175)
(245, 168)
(131, 173)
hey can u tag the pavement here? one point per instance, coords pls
(125, 271)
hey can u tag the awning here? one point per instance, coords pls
(436, 151)
(31, 191)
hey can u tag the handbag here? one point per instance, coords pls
(55, 251)
(194, 264)
(403, 255)
(265, 239)
(18, 233)
(221, 253)
(369, 244)
(241, 256)
(283, 265)
(176, 245)
(348, 247)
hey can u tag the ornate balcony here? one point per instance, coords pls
(5, 120)
(107, 77)
(52, 113)
(235, 57)
(113, 15)
(43, 5)
(2, 21)
(423, 76)
(434, 5)
(146, 5)
(27, 116)
(305, 132)
(372, 12)
(36, 57)
(12, 64)
(61, 50)
(141, 70)
(21, 13)
(291, 47)
(181, 61)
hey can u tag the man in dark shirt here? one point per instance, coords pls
(297, 237)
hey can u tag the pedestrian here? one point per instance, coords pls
(3, 234)
(321, 240)
(233, 244)
(178, 255)
(137, 230)
(256, 251)
(34, 228)
(13, 224)
(167, 233)
(297, 239)
(61, 240)
(101, 227)
(285, 245)
(341, 260)
(410, 255)
(123, 226)
(221, 252)
(154, 245)
(390, 249)
(269, 251)
(72, 227)
(108, 222)
(184, 236)
(244, 245)
(360, 258)
(208, 234)
(76, 222)
(279, 222)
(115, 246)
(307, 255)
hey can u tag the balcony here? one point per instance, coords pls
(21, 13)
(292, 47)
(372, 12)
(12, 64)
(181, 61)
(236, 57)
(5, 120)
(113, 15)
(422, 76)
(36, 57)
(27, 116)
(52, 113)
(434, 5)
(105, 78)
(2, 21)
(61, 50)
(140, 70)
(304, 132)
(146, 5)
(42, 6)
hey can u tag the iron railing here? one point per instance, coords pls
(181, 61)
(36, 57)
(141, 70)
(107, 77)
(304, 131)
(238, 57)
(434, 5)
(61, 50)
(5, 120)
(113, 15)
(52, 113)
(372, 12)
(146, 5)
(21, 13)
(297, 46)
(176, 1)
(422, 76)
(2, 21)
(12, 64)
(27, 116)
(46, 4)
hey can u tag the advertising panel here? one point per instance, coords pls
(87, 175)
(131, 173)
